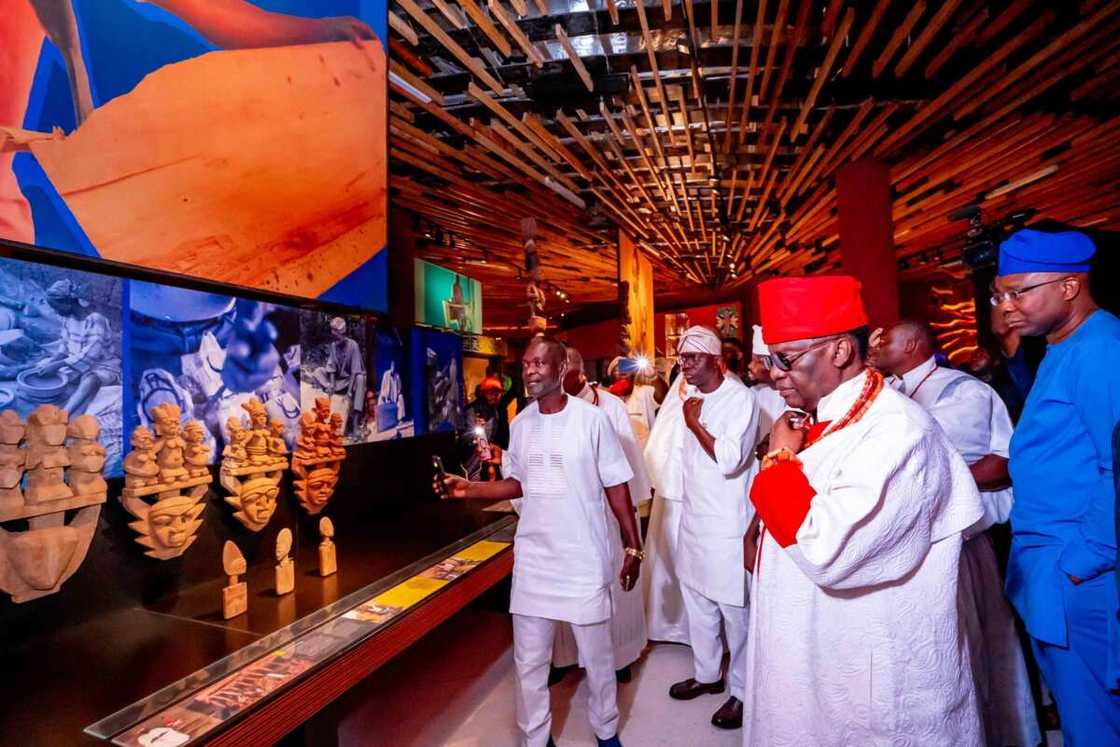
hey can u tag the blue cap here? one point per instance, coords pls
(1028, 250)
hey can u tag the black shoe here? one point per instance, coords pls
(690, 688)
(612, 742)
(624, 675)
(556, 674)
(729, 715)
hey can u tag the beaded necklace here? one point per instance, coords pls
(871, 388)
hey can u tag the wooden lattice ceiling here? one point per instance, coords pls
(712, 131)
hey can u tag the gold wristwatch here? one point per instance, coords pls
(635, 553)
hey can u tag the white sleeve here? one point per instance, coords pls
(624, 429)
(964, 412)
(871, 520)
(610, 459)
(734, 433)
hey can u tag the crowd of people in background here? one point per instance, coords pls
(828, 518)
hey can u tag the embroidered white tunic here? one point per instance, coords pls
(716, 510)
(854, 633)
(563, 556)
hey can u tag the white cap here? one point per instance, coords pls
(700, 339)
(758, 347)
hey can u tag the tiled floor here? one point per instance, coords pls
(455, 687)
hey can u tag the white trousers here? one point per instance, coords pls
(628, 631)
(665, 612)
(704, 618)
(532, 653)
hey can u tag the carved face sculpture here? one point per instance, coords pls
(258, 500)
(167, 418)
(90, 457)
(323, 409)
(11, 428)
(320, 485)
(193, 432)
(171, 522)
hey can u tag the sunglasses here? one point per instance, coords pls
(784, 362)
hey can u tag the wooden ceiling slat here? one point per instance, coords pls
(401, 26)
(449, 44)
(500, 42)
(897, 38)
(865, 34)
(823, 73)
(772, 48)
(752, 75)
(940, 18)
(515, 32)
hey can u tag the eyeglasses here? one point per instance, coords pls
(785, 363)
(1015, 294)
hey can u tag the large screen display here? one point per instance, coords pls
(445, 298)
(242, 141)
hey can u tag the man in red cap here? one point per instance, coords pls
(854, 633)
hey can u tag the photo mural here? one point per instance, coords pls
(241, 141)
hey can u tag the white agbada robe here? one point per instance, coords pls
(642, 406)
(854, 630)
(715, 519)
(565, 554)
(666, 619)
(977, 423)
(628, 615)
(770, 407)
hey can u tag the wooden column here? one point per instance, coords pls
(863, 196)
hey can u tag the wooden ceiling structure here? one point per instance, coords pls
(712, 131)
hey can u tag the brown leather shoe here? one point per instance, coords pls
(729, 715)
(690, 688)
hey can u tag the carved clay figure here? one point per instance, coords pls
(12, 459)
(277, 448)
(285, 566)
(255, 499)
(238, 438)
(257, 445)
(235, 596)
(169, 442)
(197, 452)
(335, 436)
(87, 457)
(46, 455)
(328, 558)
(140, 464)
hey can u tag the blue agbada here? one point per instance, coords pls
(1064, 524)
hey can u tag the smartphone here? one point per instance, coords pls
(483, 443)
(440, 473)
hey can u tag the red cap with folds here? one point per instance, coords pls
(816, 306)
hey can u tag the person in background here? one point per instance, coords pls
(854, 622)
(978, 425)
(86, 355)
(717, 465)
(1063, 523)
(770, 402)
(992, 370)
(734, 357)
(628, 621)
(568, 469)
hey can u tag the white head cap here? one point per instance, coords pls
(758, 347)
(700, 339)
(338, 324)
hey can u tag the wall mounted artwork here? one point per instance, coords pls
(390, 415)
(169, 468)
(318, 457)
(252, 464)
(437, 386)
(60, 344)
(101, 114)
(335, 367)
(447, 299)
(208, 354)
(37, 560)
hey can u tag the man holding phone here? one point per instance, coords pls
(567, 466)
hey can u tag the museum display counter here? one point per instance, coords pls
(173, 671)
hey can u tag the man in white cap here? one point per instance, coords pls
(343, 378)
(628, 619)
(770, 403)
(717, 464)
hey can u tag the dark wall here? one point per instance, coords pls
(380, 482)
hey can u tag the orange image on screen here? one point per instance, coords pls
(258, 166)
